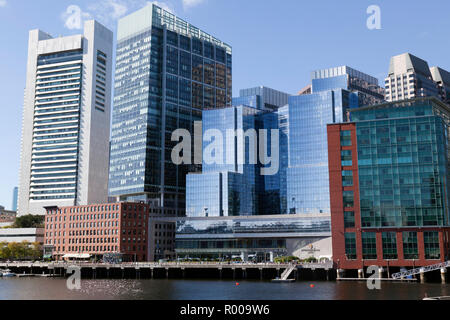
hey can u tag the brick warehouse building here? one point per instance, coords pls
(115, 228)
(389, 185)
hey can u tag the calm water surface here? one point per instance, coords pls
(55, 289)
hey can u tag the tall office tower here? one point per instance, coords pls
(442, 79)
(167, 73)
(14, 199)
(66, 120)
(334, 92)
(409, 77)
(262, 98)
(229, 184)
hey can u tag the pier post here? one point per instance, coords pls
(107, 273)
(244, 273)
(340, 273)
(220, 273)
(381, 272)
(278, 272)
(183, 272)
(138, 273)
(360, 273)
(234, 273)
(151, 273)
(94, 273)
(167, 273)
(260, 273)
(443, 275)
(327, 274)
(422, 276)
(123, 271)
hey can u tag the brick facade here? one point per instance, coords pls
(338, 228)
(104, 228)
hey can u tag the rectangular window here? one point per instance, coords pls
(346, 158)
(348, 199)
(349, 219)
(369, 245)
(432, 249)
(389, 241)
(410, 248)
(347, 178)
(350, 246)
(346, 138)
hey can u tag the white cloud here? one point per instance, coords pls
(191, 3)
(2, 3)
(106, 12)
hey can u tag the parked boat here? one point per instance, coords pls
(278, 280)
(8, 273)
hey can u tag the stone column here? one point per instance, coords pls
(443, 275)
(422, 275)
(381, 272)
(361, 273)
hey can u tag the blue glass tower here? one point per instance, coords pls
(167, 73)
(334, 92)
(262, 98)
(226, 188)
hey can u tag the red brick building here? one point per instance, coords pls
(385, 246)
(93, 230)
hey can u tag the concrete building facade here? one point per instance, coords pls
(66, 120)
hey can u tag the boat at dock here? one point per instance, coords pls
(278, 280)
(7, 273)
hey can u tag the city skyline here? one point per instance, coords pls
(277, 74)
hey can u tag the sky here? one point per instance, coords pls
(275, 43)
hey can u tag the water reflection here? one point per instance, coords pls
(55, 289)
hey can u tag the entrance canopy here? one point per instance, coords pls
(77, 256)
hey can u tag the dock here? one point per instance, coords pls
(261, 271)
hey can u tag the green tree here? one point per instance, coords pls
(5, 252)
(29, 221)
(37, 251)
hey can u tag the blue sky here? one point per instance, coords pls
(275, 43)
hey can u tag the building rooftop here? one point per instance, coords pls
(440, 75)
(340, 71)
(407, 103)
(153, 15)
(407, 62)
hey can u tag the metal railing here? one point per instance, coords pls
(415, 271)
(286, 273)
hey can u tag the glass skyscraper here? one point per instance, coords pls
(334, 92)
(403, 164)
(262, 98)
(167, 73)
(227, 188)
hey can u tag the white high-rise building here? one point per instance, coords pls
(409, 77)
(66, 120)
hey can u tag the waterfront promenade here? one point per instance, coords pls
(149, 270)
